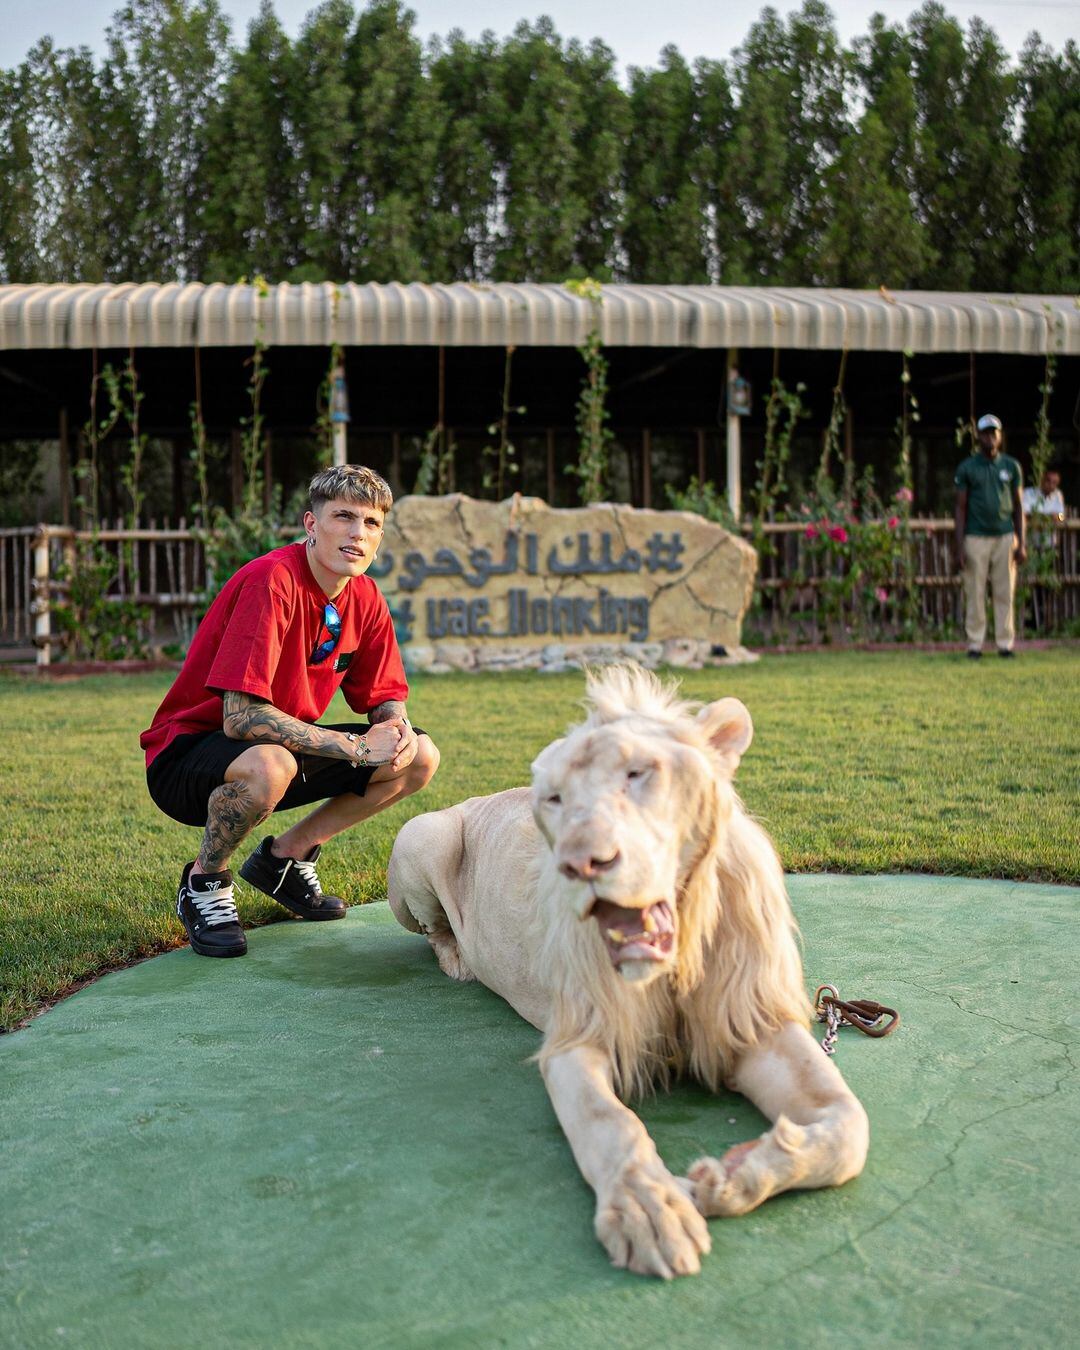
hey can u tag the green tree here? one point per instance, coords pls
(166, 65)
(967, 164)
(252, 210)
(1050, 170)
(541, 117)
(52, 230)
(124, 169)
(391, 162)
(324, 138)
(790, 81)
(716, 111)
(18, 189)
(664, 218)
(463, 192)
(872, 237)
(599, 149)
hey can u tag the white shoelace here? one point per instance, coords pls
(216, 907)
(307, 872)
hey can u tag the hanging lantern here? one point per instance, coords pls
(739, 393)
(339, 396)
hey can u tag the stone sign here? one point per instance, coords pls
(519, 585)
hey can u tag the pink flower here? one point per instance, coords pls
(839, 534)
(893, 522)
(904, 495)
(811, 532)
(881, 595)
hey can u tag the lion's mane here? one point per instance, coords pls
(738, 974)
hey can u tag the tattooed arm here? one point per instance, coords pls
(382, 712)
(247, 718)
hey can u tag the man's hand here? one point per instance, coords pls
(384, 742)
(960, 555)
(392, 714)
(405, 747)
(1020, 554)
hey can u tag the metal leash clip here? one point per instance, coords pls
(864, 1014)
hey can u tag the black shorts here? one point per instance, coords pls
(182, 777)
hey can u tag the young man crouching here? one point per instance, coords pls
(237, 736)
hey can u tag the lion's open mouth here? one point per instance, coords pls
(631, 934)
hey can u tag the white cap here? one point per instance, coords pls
(988, 422)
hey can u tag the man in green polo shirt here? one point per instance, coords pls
(989, 536)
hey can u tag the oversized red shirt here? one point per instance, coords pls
(258, 637)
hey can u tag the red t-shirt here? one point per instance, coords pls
(257, 638)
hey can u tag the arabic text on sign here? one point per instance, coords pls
(575, 557)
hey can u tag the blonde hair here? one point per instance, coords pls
(350, 483)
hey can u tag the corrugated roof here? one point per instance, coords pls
(533, 315)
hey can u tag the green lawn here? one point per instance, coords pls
(882, 762)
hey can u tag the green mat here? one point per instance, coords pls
(328, 1143)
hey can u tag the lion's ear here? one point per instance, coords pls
(729, 729)
(544, 758)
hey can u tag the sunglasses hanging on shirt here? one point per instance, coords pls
(332, 624)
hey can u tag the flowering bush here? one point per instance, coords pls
(860, 554)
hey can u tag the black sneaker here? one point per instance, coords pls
(204, 905)
(292, 882)
(974, 654)
(1006, 652)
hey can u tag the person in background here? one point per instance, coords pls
(238, 734)
(990, 536)
(1046, 499)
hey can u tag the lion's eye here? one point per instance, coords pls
(636, 773)
(554, 800)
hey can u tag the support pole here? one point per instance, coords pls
(42, 598)
(339, 413)
(734, 444)
(65, 469)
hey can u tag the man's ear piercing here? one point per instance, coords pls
(311, 541)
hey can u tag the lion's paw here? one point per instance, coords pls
(448, 955)
(649, 1224)
(726, 1185)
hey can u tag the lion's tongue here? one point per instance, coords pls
(636, 934)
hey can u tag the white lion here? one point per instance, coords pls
(630, 909)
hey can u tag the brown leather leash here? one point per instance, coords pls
(864, 1014)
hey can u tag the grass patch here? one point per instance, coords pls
(882, 762)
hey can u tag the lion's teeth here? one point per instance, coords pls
(616, 935)
(649, 922)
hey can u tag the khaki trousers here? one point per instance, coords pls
(989, 555)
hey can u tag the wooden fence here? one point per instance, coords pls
(164, 569)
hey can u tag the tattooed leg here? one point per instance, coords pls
(254, 784)
(231, 816)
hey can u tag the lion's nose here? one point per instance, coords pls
(584, 867)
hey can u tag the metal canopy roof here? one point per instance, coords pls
(533, 315)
